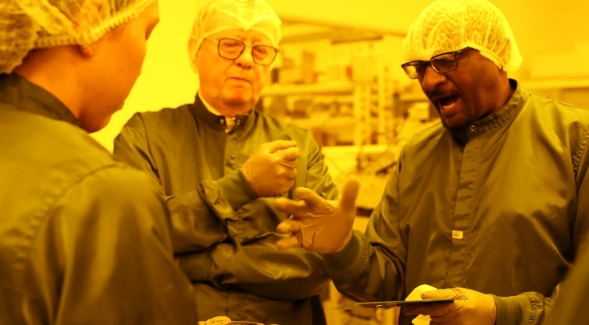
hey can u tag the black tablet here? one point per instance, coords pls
(390, 304)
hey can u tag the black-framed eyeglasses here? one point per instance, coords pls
(441, 63)
(231, 49)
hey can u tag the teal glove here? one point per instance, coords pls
(477, 309)
(317, 224)
(271, 169)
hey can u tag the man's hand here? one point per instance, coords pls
(271, 169)
(316, 224)
(477, 309)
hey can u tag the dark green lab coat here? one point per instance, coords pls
(83, 238)
(499, 208)
(571, 305)
(223, 232)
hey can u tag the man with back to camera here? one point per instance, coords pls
(489, 203)
(220, 163)
(84, 238)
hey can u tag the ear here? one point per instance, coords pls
(192, 44)
(88, 50)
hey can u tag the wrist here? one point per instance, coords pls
(511, 310)
(344, 243)
(236, 189)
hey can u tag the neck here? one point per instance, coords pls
(225, 109)
(507, 91)
(232, 110)
(51, 70)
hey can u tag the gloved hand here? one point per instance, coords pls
(271, 169)
(217, 320)
(317, 224)
(477, 309)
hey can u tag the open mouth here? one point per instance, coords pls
(447, 104)
(239, 79)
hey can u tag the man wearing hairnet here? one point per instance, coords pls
(220, 164)
(490, 205)
(83, 238)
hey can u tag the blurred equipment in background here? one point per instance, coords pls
(346, 86)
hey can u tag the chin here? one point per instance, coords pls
(454, 125)
(239, 100)
(95, 126)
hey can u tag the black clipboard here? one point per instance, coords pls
(398, 303)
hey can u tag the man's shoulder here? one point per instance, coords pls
(164, 117)
(48, 151)
(57, 164)
(48, 142)
(116, 183)
(562, 110)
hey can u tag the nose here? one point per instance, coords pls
(245, 60)
(431, 79)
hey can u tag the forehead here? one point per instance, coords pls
(240, 34)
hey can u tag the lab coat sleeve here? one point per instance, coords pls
(260, 268)
(317, 176)
(372, 266)
(197, 216)
(105, 257)
(532, 307)
(571, 306)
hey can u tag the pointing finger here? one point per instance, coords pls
(349, 194)
(295, 208)
(311, 198)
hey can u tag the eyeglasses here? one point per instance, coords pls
(441, 63)
(231, 49)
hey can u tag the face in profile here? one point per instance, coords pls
(118, 58)
(470, 92)
(237, 83)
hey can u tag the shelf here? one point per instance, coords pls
(303, 89)
(413, 97)
(329, 123)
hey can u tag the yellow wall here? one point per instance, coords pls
(548, 32)
(166, 80)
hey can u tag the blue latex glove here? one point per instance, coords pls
(477, 309)
(317, 224)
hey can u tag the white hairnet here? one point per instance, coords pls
(451, 25)
(29, 24)
(221, 15)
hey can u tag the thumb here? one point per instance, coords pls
(279, 145)
(442, 294)
(349, 194)
(289, 154)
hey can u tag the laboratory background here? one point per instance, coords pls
(338, 74)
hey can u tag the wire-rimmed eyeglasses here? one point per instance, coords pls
(231, 49)
(441, 63)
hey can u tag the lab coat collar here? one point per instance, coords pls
(501, 118)
(17, 91)
(205, 112)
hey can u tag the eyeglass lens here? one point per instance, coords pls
(444, 62)
(440, 63)
(232, 49)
